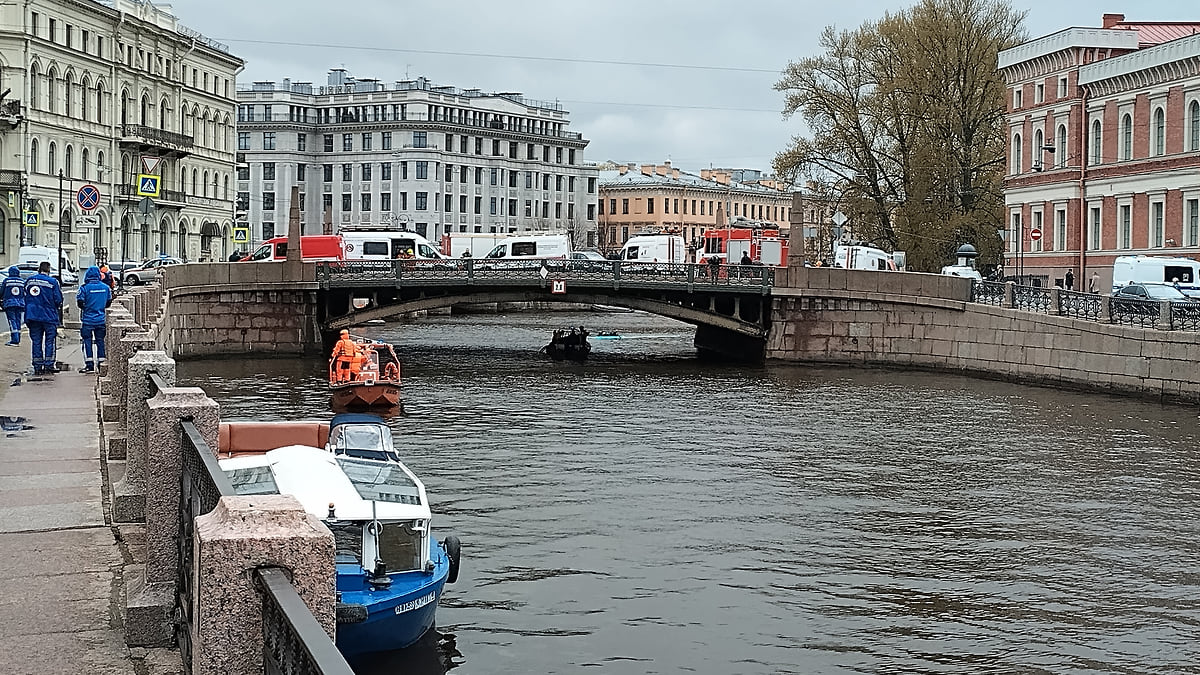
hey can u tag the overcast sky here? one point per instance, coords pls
(609, 64)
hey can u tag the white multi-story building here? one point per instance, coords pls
(430, 159)
(92, 90)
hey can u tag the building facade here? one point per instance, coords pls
(636, 199)
(1104, 148)
(98, 93)
(412, 155)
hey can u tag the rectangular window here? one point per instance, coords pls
(1062, 87)
(447, 203)
(385, 171)
(243, 140)
(591, 186)
(449, 142)
(301, 199)
(1157, 235)
(403, 201)
(512, 179)
(422, 170)
(268, 231)
(1036, 246)
(496, 147)
(366, 201)
(366, 141)
(268, 201)
(528, 208)
(478, 146)
(327, 173)
(612, 207)
(54, 30)
(301, 170)
(558, 209)
(492, 206)
(512, 207)
(268, 140)
(571, 156)
(1125, 233)
(449, 173)
(243, 201)
(347, 142)
(422, 201)
(420, 139)
(479, 205)
(494, 176)
(385, 140)
(650, 205)
(1060, 229)
(347, 202)
(328, 141)
(347, 173)
(268, 170)
(1192, 229)
(558, 183)
(327, 203)
(558, 155)
(301, 142)
(243, 172)
(1094, 229)
(625, 206)
(33, 22)
(366, 172)
(529, 151)
(385, 201)
(528, 180)
(403, 170)
(591, 212)
(1039, 93)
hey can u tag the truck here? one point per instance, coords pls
(762, 242)
(65, 271)
(1182, 273)
(660, 248)
(312, 247)
(387, 245)
(857, 257)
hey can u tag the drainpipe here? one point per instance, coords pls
(117, 220)
(25, 189)
(1083, 162)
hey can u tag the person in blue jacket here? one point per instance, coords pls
(13, 290)
(43, 313)
(93, 298)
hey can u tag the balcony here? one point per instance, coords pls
(10, 178)
(167, 142)
(128, 193)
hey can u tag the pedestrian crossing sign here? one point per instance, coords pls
(241, 235)
(147, 185)
(33, 219)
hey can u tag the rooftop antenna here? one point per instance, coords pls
(406, 67)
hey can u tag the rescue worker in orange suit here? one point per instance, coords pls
(342, 359)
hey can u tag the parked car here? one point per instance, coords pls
(1150, 292)
(588, 261)
(147, 271)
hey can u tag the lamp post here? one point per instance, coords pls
(62, 213)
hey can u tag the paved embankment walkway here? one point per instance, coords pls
(60, 571)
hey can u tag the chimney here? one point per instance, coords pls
(662, 170)
(705, 174)
(647, 170)
(1111, 20)
(675, 174)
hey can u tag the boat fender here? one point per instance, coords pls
(453, 548)
(348, 612)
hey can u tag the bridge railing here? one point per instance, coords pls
(471, 271)
(1161, 314)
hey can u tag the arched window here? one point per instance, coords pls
(84, 109)
(1194, 125)
(1127, 137)
(225, 194)
(100, 102)
(163, 114)
(1096, 142)
(52, 90)
(68, 162)
(52, 159)
(1060, 143)
(35, 92)
(144, 112)
(195, 181)
(100, 165)
(1038, 141)
(33, 156)
(124, 108)
(85, 170)
(1016, 154)
(205, 186)
(69, 87)
(1160, 132)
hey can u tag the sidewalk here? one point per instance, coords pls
(60, 575)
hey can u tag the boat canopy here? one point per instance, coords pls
(363, 436)
(359, 489)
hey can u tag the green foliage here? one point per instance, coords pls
(906, 126)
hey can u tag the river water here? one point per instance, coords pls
(650, 513)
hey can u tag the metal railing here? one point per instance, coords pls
(293, 642)
(1080, 305)
(159, 137)
(1160, 314)
(1133, 312)
(589, 273)
(1185, 316)
(126, 192)
(1032, 298)
(988, 292)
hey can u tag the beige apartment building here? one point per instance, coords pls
(644, 198)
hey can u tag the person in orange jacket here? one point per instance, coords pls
(342, 359)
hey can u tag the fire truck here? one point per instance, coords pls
(762, 241)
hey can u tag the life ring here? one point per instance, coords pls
(391, 372)
(453, 549)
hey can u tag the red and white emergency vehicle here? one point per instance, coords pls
(762, 241)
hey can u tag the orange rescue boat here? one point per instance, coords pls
(372, 381)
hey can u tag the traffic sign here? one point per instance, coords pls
(33, 219)
(839, 218)
(241, 235)
(150, 164)
(147, 185)
(1035, 234)
(88, 198)
(88, 221)
(558, 287)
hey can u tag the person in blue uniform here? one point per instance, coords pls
(43, 312)
(13, 290)
(93, 298)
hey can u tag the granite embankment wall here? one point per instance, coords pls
(927, 321)
(220, 309)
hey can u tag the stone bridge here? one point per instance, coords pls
(795, 314)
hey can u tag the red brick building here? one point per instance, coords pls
(1104, 148)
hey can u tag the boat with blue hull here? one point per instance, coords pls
(390, 569)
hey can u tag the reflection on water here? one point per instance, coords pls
(645, 512)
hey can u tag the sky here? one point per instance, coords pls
(644, 82)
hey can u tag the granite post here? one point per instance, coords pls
(129, 494)
(150, 595)
(241, 534)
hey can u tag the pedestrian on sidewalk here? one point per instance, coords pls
(14, 303)
(93, 298)
(43, 313)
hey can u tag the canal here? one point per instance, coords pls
(647, 512)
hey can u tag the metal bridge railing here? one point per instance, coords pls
(1161, 314)
(293, 642)
(471, 271)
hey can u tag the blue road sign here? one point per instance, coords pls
(147, 185)
(88, 198)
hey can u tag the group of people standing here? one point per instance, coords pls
(37, 302)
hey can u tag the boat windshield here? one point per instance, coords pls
(254, 480)
(368, 441)
(400, 547)
(380, 481)
(347, 540)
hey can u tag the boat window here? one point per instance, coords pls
(255, 480)
(347, 540)
(360, 437)
(380, 481)
(399, 547)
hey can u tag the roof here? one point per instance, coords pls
(635, 178)
(1157, 32)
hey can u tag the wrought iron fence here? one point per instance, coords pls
(987, 292)
(1080, 305)
(421, 271)
(1031, 298)
(1185, 316)
(293, 642)
(1144, 313)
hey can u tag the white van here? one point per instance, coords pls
(39, 254)
(387, 245)
(659, 248)
(863, 258)
(1148, 269)
(962, 271)
(530, 251)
